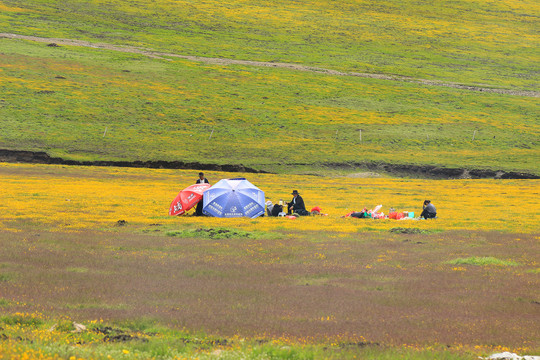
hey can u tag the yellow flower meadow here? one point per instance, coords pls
(75, 198)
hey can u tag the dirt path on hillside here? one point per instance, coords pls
(223, 61)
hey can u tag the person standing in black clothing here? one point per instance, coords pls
(200, 180)
(297, 204)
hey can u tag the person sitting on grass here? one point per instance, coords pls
(429, 211)
(269, 207)
(296, 205)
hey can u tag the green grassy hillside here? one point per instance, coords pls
(470, 41)
(88, 103)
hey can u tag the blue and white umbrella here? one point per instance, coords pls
(233, 198)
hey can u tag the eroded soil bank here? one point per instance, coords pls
(40, 157)
(407, 170)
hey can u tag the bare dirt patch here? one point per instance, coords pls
(384, 287)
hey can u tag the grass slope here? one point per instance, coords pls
(95, 104)
(35, 336)
(470, 41)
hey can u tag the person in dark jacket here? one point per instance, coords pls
(200, 180)
(361, 214)
(429, 211)
(297, 204)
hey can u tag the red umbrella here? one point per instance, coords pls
(187, 198)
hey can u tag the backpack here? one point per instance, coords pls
(277, 209)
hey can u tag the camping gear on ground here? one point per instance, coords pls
(187, 198)
(302, 212)
(401, 215)
(276, 210)
(233, 198)
(374, 214)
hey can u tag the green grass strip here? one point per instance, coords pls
(482, 261)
